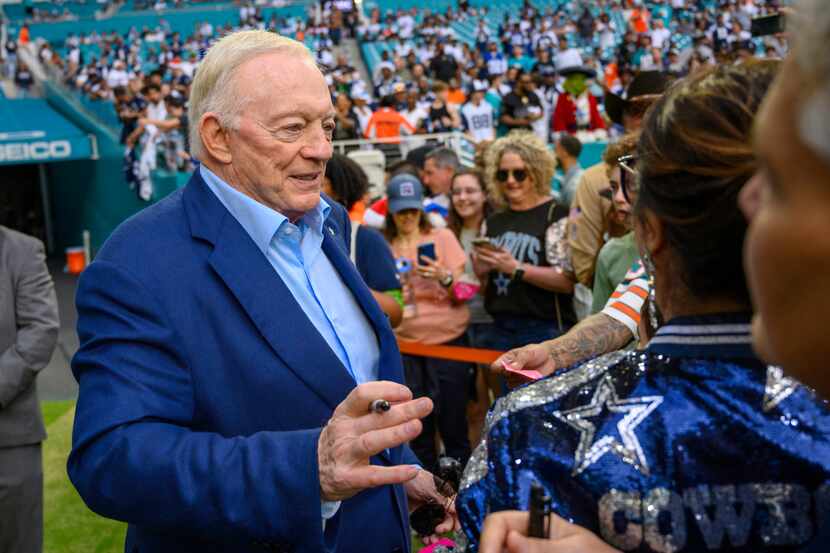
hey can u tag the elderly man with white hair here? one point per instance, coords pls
(231, 359)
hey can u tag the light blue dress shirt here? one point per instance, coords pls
(295, 252)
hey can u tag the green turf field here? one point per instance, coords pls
(69, 527)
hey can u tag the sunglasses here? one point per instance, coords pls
(447, 479)
(629, 177)
(518, 174)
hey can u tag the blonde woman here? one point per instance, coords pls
(525, 263)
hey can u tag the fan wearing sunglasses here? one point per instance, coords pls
(660, 450)
(618, 254)
(525, 265)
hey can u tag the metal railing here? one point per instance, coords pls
(456, 141)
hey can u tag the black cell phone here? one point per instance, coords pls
(426, 250)
(768, 25)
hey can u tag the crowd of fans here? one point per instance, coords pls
(506, 253)
(488, 256)
(428, 80)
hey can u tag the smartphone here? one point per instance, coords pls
(768, 25)
(426, 250)
(484, 242)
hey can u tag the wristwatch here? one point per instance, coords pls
(518, 273)
(446, 282)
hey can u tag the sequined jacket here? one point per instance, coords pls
(691, 445)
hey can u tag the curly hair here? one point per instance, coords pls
(538, 160)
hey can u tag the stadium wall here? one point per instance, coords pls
(92, 194)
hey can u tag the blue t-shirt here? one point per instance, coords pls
(375, 262)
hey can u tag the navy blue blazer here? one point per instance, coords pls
(204, 387)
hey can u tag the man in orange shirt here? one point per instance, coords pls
(386, 122)
(639, 20)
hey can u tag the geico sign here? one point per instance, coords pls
(35, 151)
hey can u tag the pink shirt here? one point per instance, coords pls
(438, 319)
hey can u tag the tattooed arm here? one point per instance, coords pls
(593, 336)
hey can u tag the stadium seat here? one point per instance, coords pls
(373, 163)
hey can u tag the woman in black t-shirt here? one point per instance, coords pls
(526, 267)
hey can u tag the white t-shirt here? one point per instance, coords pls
(157, 111)
(363, 116)
(541, 127)
(497, 65)
(659, 37)
(479, 120)
(117, 77)
(415, 116)
(407, 25)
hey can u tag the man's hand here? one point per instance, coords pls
(421, 490)
(354, 434)
(505, 531)
(533, 357)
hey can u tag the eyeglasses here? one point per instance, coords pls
(629, 177)
(447, 478)
(518, 174)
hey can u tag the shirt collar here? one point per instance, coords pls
(723, 335)
(260, 221)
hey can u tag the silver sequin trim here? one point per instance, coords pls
(533, 395)
(778, 388)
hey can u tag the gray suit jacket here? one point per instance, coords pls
(28, 333)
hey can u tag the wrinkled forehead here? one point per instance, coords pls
(279, 84)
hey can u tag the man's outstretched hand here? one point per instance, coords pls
(354, 434)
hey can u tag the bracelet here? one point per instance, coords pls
(447, 281)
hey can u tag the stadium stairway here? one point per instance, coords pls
(350, 48)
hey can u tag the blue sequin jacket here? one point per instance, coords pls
(691, 445)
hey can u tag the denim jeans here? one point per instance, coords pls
(508, 333)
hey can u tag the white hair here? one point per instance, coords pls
(811, 35)
(214, 89)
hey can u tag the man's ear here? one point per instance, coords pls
(215, 138)
(652, 232)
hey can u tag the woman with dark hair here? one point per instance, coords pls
(692, 444)
(345, 182)
(434, 316)
(618, 255)
(469, 208)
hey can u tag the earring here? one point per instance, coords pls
(653, 313)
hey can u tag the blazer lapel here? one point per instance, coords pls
(265, 297)
(389, 364)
